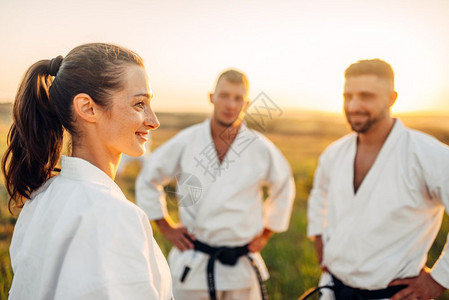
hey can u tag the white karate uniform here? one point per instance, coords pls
(384, 231)
(230, 210)
(80, 238)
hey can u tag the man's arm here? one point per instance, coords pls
(158, 169)
(161, 166)
(259, 242)
(319, 248)
(176, 234)
(317, 210)
(277, 208)
(422, 287)
(440, 270)
(431, 283)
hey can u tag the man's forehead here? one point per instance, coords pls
(363, 77)
(366, 81)
(223, 83)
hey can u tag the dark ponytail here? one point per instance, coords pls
(35, 138)
(43, 109)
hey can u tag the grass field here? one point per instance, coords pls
(289, 256)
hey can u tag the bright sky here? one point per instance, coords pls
(294, 51)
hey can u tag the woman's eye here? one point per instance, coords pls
(140, 105)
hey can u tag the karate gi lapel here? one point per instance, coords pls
(372, 178)
(345, 225)
(234, 152)
(209, 142)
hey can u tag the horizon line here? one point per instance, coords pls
(297, 110)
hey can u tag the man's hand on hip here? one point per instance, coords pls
(259, 242)
(420, 287)
(319, 251)
(176, 234)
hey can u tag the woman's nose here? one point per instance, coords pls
(151, 120)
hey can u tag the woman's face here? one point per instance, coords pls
(125, 127)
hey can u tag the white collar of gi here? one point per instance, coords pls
(80, 169)
(397, 129)
(209, 129)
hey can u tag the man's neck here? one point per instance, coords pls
(377, 135)
(218, 129)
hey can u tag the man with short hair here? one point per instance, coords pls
(220, 167)
(378, 198)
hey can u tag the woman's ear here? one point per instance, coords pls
(86, 108)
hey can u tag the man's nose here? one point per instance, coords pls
(353, 105)
(232, 103)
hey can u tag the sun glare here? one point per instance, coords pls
(295, 52)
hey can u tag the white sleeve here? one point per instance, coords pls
(278, 206)
(317, 207)
(434, 159)
(440, 271)
(159, 168)
(111, 254)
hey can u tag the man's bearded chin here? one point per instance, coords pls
(364, 127)
(361, 127)
(225, 124)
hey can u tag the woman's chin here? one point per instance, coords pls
(136, 152)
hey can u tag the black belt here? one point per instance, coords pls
(344, 292)
(227, 256)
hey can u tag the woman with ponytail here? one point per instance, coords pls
(77, 236)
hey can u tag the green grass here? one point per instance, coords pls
(290, 256)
